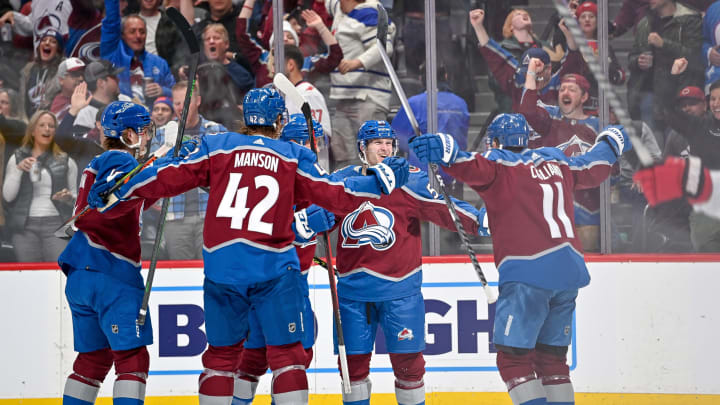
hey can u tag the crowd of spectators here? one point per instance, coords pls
(63, 62)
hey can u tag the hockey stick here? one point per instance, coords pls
(483, 129)
(603, 83)
(65, 230)
(187, 32)
(381, 41)
(284, 85)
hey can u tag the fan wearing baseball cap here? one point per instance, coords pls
(566, 126)
(102, 83)
(702, 134)
(510, 73)
(586, 14)
(70, 73)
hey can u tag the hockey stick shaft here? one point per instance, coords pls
(286, 86)
(184, 28)
(345, 371)
(601, 78)
(489, 293)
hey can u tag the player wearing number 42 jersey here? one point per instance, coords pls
(529, 199)
(249, 259)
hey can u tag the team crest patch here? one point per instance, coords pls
(292, 327)
(114, 329)
(405, 334)
(369, 225)
(567, 330)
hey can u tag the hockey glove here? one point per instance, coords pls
(483, 227)
(310, 221)
(436, 148)
(98, 196)
(675, 178)
(616, 137)
(188, 148)
(392, 173)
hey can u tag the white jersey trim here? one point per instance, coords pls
(541, 253)
(379, 275)
(249, 243)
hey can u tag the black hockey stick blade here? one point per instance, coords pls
(382, 25)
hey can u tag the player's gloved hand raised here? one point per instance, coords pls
(436, 148)
(392, 173)
(188, 147)
(310, 221)
(673, 179)
(98, 196)
(616, 137)
(483, 227)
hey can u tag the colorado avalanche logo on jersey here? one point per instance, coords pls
(575, 146)
(369, 225)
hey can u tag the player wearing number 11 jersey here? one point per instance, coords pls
(249, 257)
(528, 194)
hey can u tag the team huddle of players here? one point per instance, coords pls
(268, 199)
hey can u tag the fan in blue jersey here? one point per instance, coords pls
(379, 252)
(309, 220)
(102, 261)
(528, 194)
(254, 181)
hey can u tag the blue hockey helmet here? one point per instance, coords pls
(374, 129)
(296, 130)
(120, 115)
(511, 130)
(262, 106)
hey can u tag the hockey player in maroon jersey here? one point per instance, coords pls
(249, 260)
(379, 252)
(102, 261)
(528, 196)
(309, 220)
(567, 127)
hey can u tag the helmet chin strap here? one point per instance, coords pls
(135, 146)
(361, 154)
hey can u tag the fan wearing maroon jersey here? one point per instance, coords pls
(528, 194)
(250, 263)
(379, 252)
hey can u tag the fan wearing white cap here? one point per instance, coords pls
(70, 73)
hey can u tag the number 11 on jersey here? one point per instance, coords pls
(548, 206)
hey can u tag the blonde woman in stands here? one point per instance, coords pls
(39, 189)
